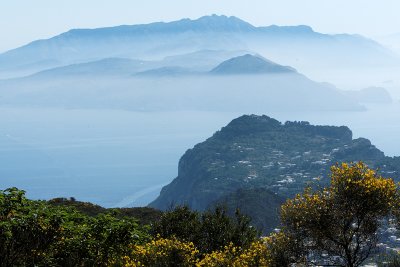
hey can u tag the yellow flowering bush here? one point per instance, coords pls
(172, 252)
(306, 209)
(340, 221)
(256, 255)
(162, 252)
(356, 184)
(225, 257)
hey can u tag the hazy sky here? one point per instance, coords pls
(22, 21)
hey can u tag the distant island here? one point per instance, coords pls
(260, 153)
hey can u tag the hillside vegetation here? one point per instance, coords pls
(261, 152)
(335, 225)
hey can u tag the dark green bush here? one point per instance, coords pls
(35, 233)
(209, 231)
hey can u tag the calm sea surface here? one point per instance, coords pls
(121, 158)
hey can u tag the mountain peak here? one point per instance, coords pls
(250, 64)
(246, 125)
(221, 18)
(216, 23)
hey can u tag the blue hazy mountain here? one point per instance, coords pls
(244, 64)
(144, 86)
(250, 64)
(157, 40)
(108, 66)
(191, 63)
(166, 71)
(173, 89)
(202, 60)
(241, 65)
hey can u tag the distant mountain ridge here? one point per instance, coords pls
(250, 64)
(199, 61)
(171, 71)
(127, 84)
(159, 39)
(107, 66)
(245, 64)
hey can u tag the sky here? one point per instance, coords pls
(22, 21)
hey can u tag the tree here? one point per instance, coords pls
(27, 229)
(209, 231)
(338, 225)
(96, 241)
(35, 233)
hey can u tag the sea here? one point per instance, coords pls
(119, 158)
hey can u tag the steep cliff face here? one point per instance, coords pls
(260, 152)
(260, 204)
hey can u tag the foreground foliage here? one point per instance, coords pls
(335, 225)
(163, 252)
(209, 231)
(34, 233)
(40, 233)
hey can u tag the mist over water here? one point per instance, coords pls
(117, 141)
(123, 158)
(96, 155)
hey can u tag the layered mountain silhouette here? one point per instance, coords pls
(145, 86)
(196, 62)
(290, 44)
(108, 66)
(244, 64)
(250, 64)
(166, 72)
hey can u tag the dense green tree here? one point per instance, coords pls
(96, 241)
(27, 229)
(180, 222)
(218, 230)
(34, 233)
(209, 231)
